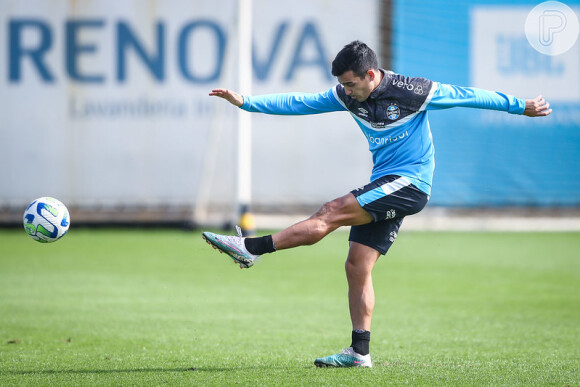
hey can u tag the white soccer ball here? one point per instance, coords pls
(46, 220)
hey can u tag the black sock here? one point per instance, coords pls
(260, 245)
(360, 341)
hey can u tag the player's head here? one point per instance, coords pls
(357, 57)
(356, 67)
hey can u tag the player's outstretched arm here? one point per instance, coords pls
(230, 96)
(537, 107)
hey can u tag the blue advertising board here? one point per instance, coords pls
(488, 158)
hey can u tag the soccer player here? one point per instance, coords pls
(391, 110)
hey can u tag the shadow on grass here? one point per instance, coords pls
(138, 370)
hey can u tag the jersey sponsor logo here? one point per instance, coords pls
(417, 89)
(388, 139)
(393, 112)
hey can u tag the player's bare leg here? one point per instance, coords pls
(361, 295)
(343, 211)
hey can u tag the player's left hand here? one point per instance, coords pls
(537, 107)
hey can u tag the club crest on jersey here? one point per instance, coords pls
(393, 112)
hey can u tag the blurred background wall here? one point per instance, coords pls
(104, 105)
(488, 158)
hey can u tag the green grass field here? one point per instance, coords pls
(160, 307)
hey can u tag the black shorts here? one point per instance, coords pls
(388, 199)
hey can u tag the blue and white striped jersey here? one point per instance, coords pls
(393, 118)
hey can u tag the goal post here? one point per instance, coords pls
(242, 207)
(241, 168)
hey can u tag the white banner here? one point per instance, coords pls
(503, 59)
(105, 102)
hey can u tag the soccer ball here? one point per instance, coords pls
(46, 220)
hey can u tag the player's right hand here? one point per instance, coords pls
(229, 95)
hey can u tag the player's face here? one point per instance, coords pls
(356, 87)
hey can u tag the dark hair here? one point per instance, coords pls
(355, 56)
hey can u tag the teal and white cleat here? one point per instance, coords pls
(233, 246)
(347, 358)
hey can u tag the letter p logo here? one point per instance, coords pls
(552, 22)
(552, 28)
